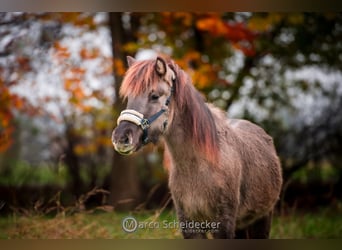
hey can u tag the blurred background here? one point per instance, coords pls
(60, 72)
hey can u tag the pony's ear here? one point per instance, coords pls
(160, 66)
(130, 61)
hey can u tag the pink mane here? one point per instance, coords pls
(140, 77)
(197, 118)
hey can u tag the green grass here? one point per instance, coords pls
(324, 224)
(21, 173)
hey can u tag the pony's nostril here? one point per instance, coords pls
(126, 140)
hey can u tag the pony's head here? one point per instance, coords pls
(148, 87)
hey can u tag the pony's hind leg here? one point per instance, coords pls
(261, 228)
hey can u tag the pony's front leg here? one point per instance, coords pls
(227, 220)
(187, 232)
(225, 231)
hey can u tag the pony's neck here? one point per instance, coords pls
(192, 132)
(179, 142)
(177, 134)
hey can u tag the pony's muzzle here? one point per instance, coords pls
(124, 138)
(123, 144)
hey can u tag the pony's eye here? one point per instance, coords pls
(154, 97)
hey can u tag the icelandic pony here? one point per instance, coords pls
(224, 174)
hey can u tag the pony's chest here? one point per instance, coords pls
(194, 201)
(195, 206)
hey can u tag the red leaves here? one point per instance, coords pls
(237, 33)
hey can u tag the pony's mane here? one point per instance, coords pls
(197, 118)
(141, 76)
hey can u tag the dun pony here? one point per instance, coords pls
(224, 174)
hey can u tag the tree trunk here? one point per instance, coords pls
(72, 163)
(124, 183)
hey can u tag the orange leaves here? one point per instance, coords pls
(234, 31)
(237, 33)
(17, 102)
(77, 94)
(69, 83)
(119, 67)
(212, 24)
(61, 52)
(89, 53)
(8, 102)
(203, 74)
(73, 85)
(80, 71)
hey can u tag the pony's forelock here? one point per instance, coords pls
(140, 77)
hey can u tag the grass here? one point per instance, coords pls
(322, 224)
(104, 225)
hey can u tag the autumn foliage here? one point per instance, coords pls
(88, 136)
(6, 128)
(199, 42)
(237, 33)
(83, 101)
(200, 51)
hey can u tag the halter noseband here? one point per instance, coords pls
(137, 118)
